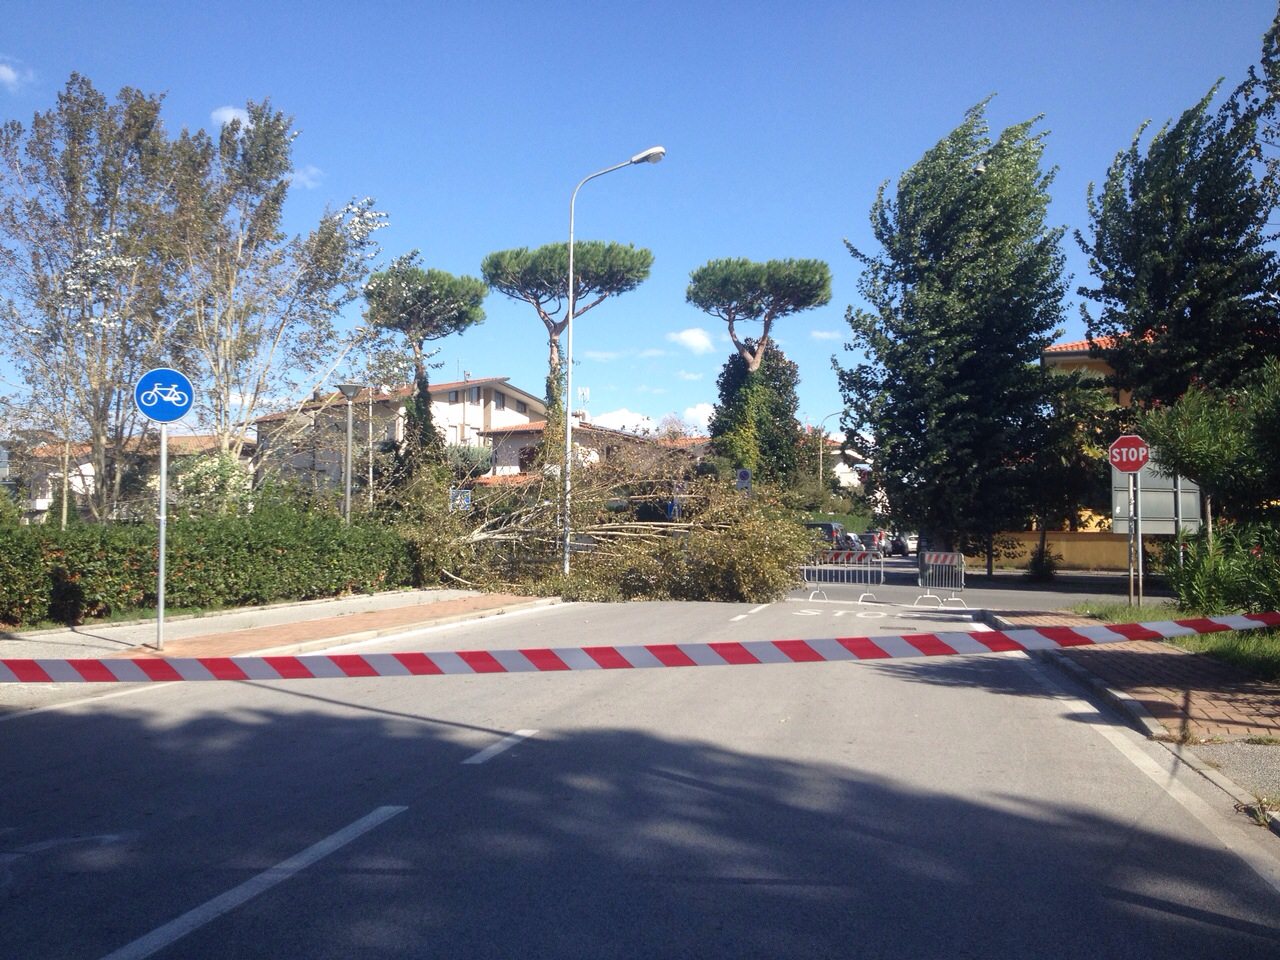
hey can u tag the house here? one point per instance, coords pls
(41, 467)
(1077, 356)
(311, 440)
(515, 447)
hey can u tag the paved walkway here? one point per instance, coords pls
(1192, 697)
(286, 638)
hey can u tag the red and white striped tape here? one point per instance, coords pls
(850, 556)
(547, 659)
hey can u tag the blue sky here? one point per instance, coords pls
(470, 123)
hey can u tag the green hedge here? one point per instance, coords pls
(275, 554)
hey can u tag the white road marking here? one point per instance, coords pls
(741, 616)
(1230, 836)
(506, 743)
(174, 930)
(762, 606)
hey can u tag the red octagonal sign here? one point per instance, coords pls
(1129, 453)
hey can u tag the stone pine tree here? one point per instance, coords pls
(423, 306)
(738, 290)
(754, 424)
(540, 278)
(964, 294)
(1179, 248)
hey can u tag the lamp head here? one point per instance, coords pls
(349, 390)
(652, 155)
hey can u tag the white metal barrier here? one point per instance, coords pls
(944, 572)
(863, 568)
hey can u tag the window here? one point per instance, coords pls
(521, 407)
(475, 394)
(453, 396)
(499, 400)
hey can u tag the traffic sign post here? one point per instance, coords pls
(1129, 454)
(162, 395)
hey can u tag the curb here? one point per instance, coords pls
(360, 636)
(373, 633)
(180, 617)
(1149, 725)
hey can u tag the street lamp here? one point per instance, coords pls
(349, 390)
(652, 155)
(822, 442)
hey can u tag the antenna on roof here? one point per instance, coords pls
(466, 374)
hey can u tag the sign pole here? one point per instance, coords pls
(1132, 498)
(164, 500)
(1137, 526)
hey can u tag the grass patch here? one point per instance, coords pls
(1257, 652)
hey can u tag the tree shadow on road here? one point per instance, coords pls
(600, 843)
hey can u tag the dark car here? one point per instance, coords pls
(831, 532)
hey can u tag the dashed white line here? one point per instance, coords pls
(506, 743)
(174, 930)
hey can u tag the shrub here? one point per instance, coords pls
(1239, 571)
(24, 581)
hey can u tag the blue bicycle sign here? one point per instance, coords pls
(163, 395)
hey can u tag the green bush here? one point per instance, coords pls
(24, 581)
(1240, 571)
(279, 552)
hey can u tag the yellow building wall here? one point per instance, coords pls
(1079, 550)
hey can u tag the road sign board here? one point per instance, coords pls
(1129, 453)
(743, 478)
(163, 395)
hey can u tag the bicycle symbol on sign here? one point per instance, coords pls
(170, 394)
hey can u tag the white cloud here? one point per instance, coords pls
(11, 77)
(825, 334)
(601, 356)
(699, 415)
(650, 353)
(686, 375)
(308, 177)
(224, 115)
(694, 339)
(625, 419)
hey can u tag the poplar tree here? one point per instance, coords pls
(1178, 245)
(964, 294)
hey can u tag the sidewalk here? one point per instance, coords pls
(1185, 697)
(1217, 720)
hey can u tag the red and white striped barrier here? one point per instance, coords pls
(546, 659)
(850, 556)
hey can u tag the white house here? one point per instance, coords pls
(311, 439)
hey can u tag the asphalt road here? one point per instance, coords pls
(957, 807)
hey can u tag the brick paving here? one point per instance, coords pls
(306, 633)
(1195, 697)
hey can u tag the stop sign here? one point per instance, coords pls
(1129, 453)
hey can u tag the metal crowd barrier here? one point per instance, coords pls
(863, 568)
(943, 572)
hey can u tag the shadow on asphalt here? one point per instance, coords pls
(603, 843)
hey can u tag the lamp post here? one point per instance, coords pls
(822, 442)
(349, 390)
(652, 155)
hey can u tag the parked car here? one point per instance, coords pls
(876, 539)
(831, 532)
(904, 544)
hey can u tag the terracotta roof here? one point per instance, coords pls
(179, 445)
(1081, 346)
(506, 480)
(682, 441)
(538, 426)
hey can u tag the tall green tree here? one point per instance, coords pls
(423, 306)
(256, 307)
(1178, 245)
(754, 424)
(86, 269)
(738, 290)
(965, 293)
(541, 279)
